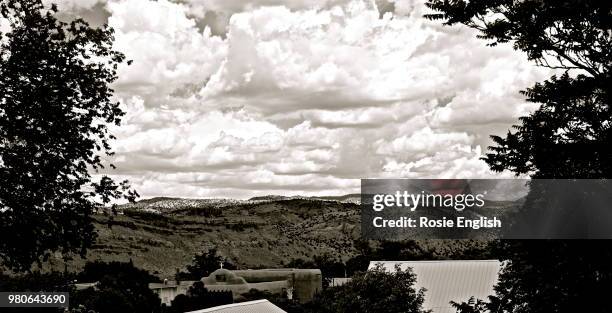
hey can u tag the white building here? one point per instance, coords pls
(452, 280)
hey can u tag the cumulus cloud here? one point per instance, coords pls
(169, 52)
(74, 5)
(304, 97)
(326, 59)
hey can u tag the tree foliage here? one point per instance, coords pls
(557, 276)
(55, 108)
(203, 264)
(36, 282)
(198, 297)
(329, 265)
(121, 287)
(473, 305)
(549, 276)
(553, 276)
(568, 34)
(376, 290)
(568, 135)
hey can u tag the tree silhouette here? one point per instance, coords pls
(567, 137)
(376, 290)
(473, 305)
(203, 264)
(120, 287)
(198, 297)
(55, 108)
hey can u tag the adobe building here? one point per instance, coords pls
(299, 284)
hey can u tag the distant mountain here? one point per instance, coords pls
(170, 205)
(269, 198)
(351, 198)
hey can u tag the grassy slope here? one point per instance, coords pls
(251, 235)
(255, 235)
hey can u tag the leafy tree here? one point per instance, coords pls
(330, 266)
(402, 250)
(97, 270)
(471, 306)
(198, 297)
(553, 276)
(121, 287)
(358, 263)
(37, 281)
(203, 264)
(34, 282)
(376, 290)
(549, 276)
(568, 136)
(55, 105)
(413, 250)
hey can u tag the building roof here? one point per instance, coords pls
(81, 286)
(257, 306)
(447, 281)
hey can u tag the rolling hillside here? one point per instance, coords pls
(163, 234)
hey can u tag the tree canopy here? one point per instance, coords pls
(121, 287)
(549, 276)
(567, 137)
(55, 110)
(203, 264)
(376, 290)
(198, 297)
(569, 34)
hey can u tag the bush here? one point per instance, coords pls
(121, 287)
(198, 297)
(374, 291)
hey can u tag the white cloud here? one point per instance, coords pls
(423, 141)
(5, 27)
(169, 52)
(234, 6)
(74, 5)
(305, 98)
(454, 161)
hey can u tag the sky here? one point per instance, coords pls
(234, 99)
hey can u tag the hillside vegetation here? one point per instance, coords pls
(163, 234)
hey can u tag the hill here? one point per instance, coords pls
(163, 234)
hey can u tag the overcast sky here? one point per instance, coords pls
(229, 98)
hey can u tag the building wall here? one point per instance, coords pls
(168, 291)
(304, 282)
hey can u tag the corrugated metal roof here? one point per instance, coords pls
(447, 281)
(258, 306)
